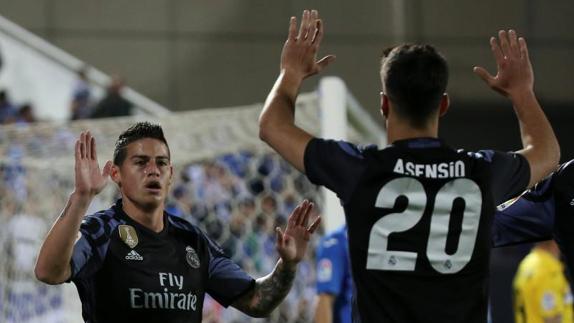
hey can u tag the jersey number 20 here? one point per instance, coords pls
(380, 258)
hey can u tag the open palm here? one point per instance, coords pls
(89, 179)
(292, 244)
(299, 53)
(514, 71)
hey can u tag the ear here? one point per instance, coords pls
(444, 104)
(384, 105)
(115, 174)
(170, 173)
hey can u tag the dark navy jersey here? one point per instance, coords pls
(125, 272)
(419, 217)
(542, 213)
(334, 273)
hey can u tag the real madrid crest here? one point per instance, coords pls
(192, 258)
(128, 235)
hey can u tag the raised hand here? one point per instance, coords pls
(89, 180)
(514, 75)
(299, 55)
(292, 244)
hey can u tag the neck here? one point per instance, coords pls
(151, 218)
(400, 129)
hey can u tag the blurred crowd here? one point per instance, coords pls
(12, 113)
(83, 105)
(113, 104)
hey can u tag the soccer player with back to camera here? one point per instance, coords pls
(418, 212)
(540, 214)
(134, 262)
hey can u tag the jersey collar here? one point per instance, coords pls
(124, 216)
(416, 143)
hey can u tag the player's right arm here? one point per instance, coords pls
(324, 310)
(515, 80)
(53, 264)
(298, 62)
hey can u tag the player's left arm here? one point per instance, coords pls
(298, 62)
(269, 291)
(515, 80)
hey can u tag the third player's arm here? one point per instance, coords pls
(515, 80)
(324, 310)
(298, 61)
(53, 263)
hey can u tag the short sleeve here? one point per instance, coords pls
(526, 219)
(330, 266)
(227, 281)
(563, 188)
(337, 165)
(564, 181)
(89, 249)
(510, 174)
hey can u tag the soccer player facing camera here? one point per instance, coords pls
(134, 262)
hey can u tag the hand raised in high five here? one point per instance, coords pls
(299, 55)
(514, 75)
(292, 244)
(89, 180)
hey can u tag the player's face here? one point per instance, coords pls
(145, 175)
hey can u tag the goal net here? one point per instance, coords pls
(226, 181)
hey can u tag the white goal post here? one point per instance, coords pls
(337, 107)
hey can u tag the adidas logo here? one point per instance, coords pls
(133, 255)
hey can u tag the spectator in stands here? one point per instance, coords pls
(8, 111)
(219, 188)
(113, 104)
(180, 203)
(269, 206)
(257, 242)
(26, 114)
(246, 208)
(81, 105)
(233, 244)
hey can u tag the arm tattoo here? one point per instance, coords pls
(268, 293)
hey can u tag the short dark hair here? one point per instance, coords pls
(414, 77)
(140, 130)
